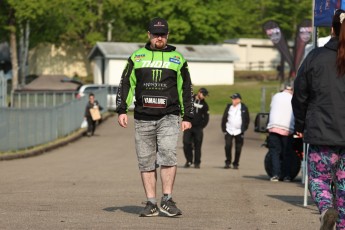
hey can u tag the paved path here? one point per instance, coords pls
(94, 183)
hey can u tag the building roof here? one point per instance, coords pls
(122, 50)
(51, 83)
(262, 42)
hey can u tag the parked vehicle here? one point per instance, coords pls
(111, 97)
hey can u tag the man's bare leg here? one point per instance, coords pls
(149, 180)
(168, 174)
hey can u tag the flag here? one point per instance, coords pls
(324, 11)
(303, 36)
(273, 31)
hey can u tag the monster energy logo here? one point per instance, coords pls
(156, 75)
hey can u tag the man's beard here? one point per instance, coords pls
(159, 45)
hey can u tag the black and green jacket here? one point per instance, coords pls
(161, 83)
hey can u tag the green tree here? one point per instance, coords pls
(209, 21)
(16, 15)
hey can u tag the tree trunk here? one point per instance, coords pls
(24, 49)
(14, 60)
(13, 49)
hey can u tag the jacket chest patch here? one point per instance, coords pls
(154, 101)
(155, 64)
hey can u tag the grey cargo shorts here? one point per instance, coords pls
(156, 141)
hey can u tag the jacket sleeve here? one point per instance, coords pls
(99, 106)
(87, 110)
(124, 94)
(187, 94)
(206, 116)
(245, 118)
(225, 118)
(300, 96)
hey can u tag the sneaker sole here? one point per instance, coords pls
(330, 218)
(150, 215)
(169, 214)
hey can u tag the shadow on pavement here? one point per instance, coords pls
(133, 210)
(258, 177)
(128, 209)
(296, 201)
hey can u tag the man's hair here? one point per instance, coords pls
(91, 94)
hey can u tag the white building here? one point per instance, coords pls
(254, 54)
(208, 64)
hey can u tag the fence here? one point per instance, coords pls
(3, 90)
(41, 99)
(25, 128)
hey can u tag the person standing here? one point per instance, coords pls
(192, 138)
(91, 123)
(318, 104)
(235, 122)
(280, 127)
(158, 76)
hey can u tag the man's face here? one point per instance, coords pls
(201, 95)
(158, 41)
(92, 99)
(236, 101)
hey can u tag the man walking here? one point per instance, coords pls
(159, 77)
(235, 122)
(91, 123)
(280, 127)
(192, 138)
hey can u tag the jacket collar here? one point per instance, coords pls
(333, 43)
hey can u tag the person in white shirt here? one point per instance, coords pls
(235, 122)
(280, 128)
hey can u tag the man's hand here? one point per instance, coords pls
(185, 125)
(123, 119)
(299, 135)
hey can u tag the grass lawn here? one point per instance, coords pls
(251, 92)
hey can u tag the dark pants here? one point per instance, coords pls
(192, 139)
(91, 125)
(280, 148)
(228, 147)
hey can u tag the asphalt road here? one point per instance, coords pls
(94, 183)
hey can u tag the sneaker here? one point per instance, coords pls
(287, 179)
(274, 179)
(235, 166)
(149, 210)
(328, 219)
(227, 166)
(188, 164)
(197, 166)
(169, 208)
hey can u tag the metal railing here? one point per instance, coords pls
(41, 99)
(29, 127)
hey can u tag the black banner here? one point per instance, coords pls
(273, 31)
(303, 36)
